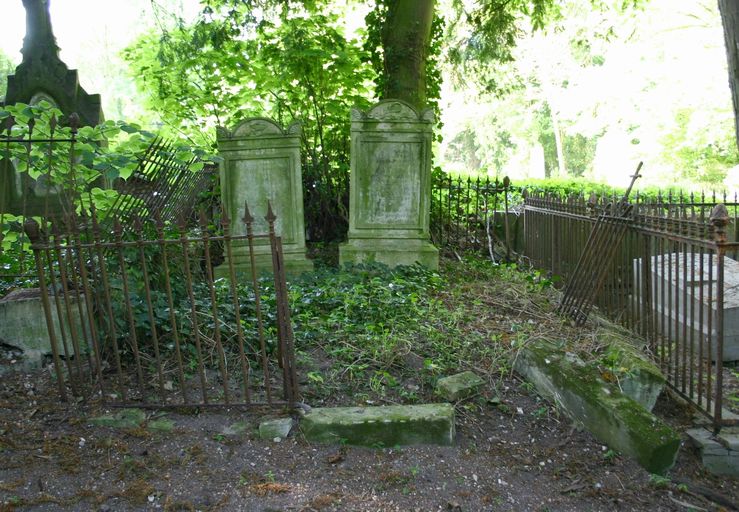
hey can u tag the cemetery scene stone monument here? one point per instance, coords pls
(42, 76)
(390, 188)
(261, 164)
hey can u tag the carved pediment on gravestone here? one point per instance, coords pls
(393, 111)
(258, 127)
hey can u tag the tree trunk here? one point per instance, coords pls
(405, 39)
(730, 18)
(561, 166)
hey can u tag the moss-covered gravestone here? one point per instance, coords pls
(261, 164)
(390, 187)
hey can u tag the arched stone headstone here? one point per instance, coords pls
(261, 163)
(390, 189)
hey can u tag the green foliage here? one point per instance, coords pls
(82, 173)
(100, 154)
(229, 66)
(6, 68)
(701, 155)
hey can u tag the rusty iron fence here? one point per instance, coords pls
(162, 183)
(141, 317)
(472, 215)
(672, 279)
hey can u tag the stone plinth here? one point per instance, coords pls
(261, 164)
(381, 427)
(690, 280)
(23, 325)
(390, 187)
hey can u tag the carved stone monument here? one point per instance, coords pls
(390, 188)
(261, 164)
(42, 76)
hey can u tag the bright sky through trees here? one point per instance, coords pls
(656, 89)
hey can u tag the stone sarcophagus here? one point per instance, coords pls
(682, 300)
(261, 165)
(390, 188)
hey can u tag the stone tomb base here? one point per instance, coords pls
(294, 260)
(390, 251)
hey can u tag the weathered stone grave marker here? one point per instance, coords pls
(261, 164)
(42, 76)
(390, 187)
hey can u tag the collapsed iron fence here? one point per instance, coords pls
(141, 317)
(672, 280)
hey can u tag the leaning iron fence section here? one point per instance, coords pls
(142, 318)
(668, 281)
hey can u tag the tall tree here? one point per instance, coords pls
(730, 18)
(406, 37)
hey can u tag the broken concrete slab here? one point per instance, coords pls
(275, 429)
(385, 426)
(719, 453)
(612, 417)
(456, 387)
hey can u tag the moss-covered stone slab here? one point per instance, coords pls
(235, 429)
(396, 425)
(276, 429)
(456, 387)
(637, 376)
(612, 417)
(125, 418)
(161, 425)
(133, 418)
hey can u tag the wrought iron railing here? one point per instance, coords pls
(472, 215)
(672, 281)
(139, 317)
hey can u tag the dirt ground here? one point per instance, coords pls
(514, 455)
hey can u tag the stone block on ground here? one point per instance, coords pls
(386, 426)
(612, 417)
(125, 418)
(275, 429)
(456, 387)
(719, 453)
(23, 326)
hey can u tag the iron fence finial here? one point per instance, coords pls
(248, 218)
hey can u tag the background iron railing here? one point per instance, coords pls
(473, 215)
